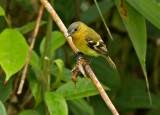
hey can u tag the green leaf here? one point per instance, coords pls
(29, 112)
(98, 8)
(35, 85)
(5, 89)
(60, 66)
(135, 25)
(154, 112)
(56, 103)
(149, 9)
(66, 10)
(133, 95)
(84, 88)
(60, 53)
(2, 13)
(30, 26)
(152, 31)
(66, 74)
(2, 109)
(86, 16)
(80, 107)
(57, 41)
(41, 108)
(26, 5)
(99, 105)
(105, 73)
(35, 61)
(13, 51)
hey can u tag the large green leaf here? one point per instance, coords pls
(13, 51)
(152, 31)
(99, 105)
(26, 5)
(80, 107)
(5, 89)
(66, 73)
(35, 61)
(35, 85)
(29, 112)
(57, 40)
(135, 25)
(132, 95)
(150, 9)
(105, 73)
(154, 112)
(2, 109)
(41, 108)
(56, 103)
(65, 10)
(60, 66)
(30, 26)
(60, 53)
(86, 16)
(2, 13)
(84, 88)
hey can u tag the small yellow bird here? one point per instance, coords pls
(88, 41)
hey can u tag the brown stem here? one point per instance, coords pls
(62, 27)
(100, 88)
(30, 50)
(15, 85)
(46, 54)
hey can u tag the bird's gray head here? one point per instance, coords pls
(74, 27)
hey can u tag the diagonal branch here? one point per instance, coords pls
(30, 50)
(62, 27)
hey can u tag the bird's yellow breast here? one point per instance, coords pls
(81, 44)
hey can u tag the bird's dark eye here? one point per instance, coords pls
(75, 29)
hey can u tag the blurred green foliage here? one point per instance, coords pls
(134, 25)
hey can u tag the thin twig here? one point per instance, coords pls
(15, 86)
(100, 88)
(30, 50)
(109, 33)
(87, 67)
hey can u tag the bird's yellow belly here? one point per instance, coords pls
(82, 47)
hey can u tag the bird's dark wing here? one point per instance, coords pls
(97, 44)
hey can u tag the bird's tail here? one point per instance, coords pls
(110, 61)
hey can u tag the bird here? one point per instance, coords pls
(88, 41)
